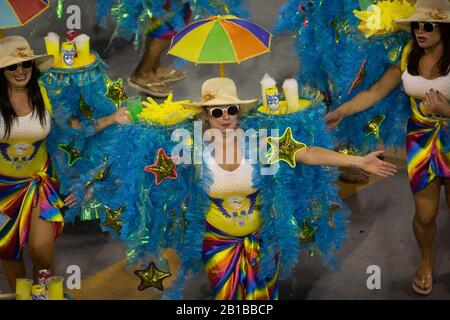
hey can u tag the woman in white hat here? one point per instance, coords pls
(231, 244)
(30, 203)
(425, 74)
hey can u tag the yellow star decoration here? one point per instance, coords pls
(284, 148)
(151, 277)
(307, 233)
(115, 91)
(85, 109)
(350, 150)
(112, 220)
(164, 168)
(333, 208)
(373, 127)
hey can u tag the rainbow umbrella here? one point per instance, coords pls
(16, 13)
(220, 39)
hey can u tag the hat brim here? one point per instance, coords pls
(404, 24)
(43, 62)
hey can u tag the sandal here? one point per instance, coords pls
(172, 76)
(151, 88)
(353, 176)
(7, 296)
(425, 287)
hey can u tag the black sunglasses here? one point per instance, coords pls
(427, 26)
(25, 65)
(217, 112)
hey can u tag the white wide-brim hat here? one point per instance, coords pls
(222, 91)
(428, 11)
(15, 49)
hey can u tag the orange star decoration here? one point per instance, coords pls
(112, 220)
(151, 277)
(115, 91)
(373, 126)
(285, 148)
(164, 168)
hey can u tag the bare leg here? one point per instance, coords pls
(151, 58)
(424, 225)
(145, 72)
(163, 73)
(447, 191)
(41, 242)
(13, 270)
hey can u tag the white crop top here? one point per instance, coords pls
(418, 86)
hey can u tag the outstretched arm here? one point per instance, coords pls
(391, 79)
(325, 157)
(121, 116)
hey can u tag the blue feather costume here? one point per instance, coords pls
(300, 206)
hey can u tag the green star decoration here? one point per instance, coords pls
(112, 216)
(99, 176)
(285, 148)
(85, 109)
(307, 233)
(115, 91)
(72, 153)
(151, 277)
(373, 126)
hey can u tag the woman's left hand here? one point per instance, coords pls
(437, 103)
(70, 201)
(372, 164)
(122, 116)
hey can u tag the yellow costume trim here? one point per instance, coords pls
(284, 109)
(379, 18)
(169, 112)
(46, 99)
(405, 55)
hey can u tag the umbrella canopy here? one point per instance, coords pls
(220, 39)
(16, 13)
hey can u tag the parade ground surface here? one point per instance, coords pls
(380, 232)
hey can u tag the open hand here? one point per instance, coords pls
(70, 201)
(122, 116)
(372, 164)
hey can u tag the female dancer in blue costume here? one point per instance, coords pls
(340, 56)
(231, 242)
(425, 74)
(30, 202)
(244, 227)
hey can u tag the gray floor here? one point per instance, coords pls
(380, 229)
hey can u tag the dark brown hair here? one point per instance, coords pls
(34, 96)
(443, 65)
